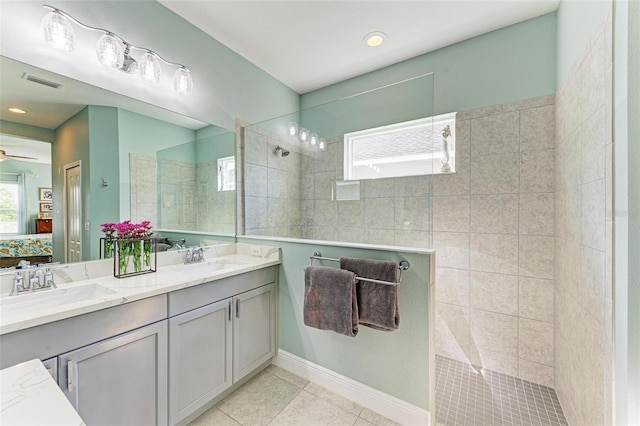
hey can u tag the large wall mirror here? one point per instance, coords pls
(81, 156)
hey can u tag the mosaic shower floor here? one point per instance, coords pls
(466, 395)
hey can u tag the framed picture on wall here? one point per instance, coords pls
(46, 207)
(46, 194)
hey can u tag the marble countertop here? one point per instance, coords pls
(33, 309)
(30, 396)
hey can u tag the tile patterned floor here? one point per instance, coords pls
(466, 396)
(277, 397)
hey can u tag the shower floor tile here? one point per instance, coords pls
(468, 395)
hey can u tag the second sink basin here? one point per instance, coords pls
(45, 299)
(210, 266)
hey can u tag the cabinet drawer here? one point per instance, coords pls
(194, 297)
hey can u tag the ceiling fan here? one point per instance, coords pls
(4, 156)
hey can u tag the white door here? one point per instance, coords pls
(73, 213)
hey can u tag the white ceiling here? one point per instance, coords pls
(310, 44)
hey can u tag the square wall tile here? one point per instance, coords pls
(379, 188)
(593, 147)
(592, 282)
(495, 174)
(452, 323)
(537, 128)
(536, 258)
(494, 332)
(379, 213)
(451, 213)
(463, 138)
(452, 286)
(494, 214)
(494, 361)
(536, 341)
(452, 249)
(495, 134)
(536, 373)
(408, 186)
(420, 239)
(536, 299)
(351, 213)
(494, 253)
(453, 183)
(412, 213)
(593, 215)
(379, 236)
(536, 214)
(494, 292)
(537, 171)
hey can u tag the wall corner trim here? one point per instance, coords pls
(380, 402)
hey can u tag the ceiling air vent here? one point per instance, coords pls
(42, 81)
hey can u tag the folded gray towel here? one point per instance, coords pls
(330, 300)
(377, 303)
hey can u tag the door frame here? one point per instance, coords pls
(66, 168)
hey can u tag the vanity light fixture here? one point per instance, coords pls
(375, 38)
(313, 139)
(292, 129)
(322, 145)
(16, 110)
(113, 51)
(303, 135)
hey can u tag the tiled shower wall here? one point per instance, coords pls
(298, 193)
(189, 199)
(584, 221)
(493, 229)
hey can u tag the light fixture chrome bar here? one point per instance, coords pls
(126, 43)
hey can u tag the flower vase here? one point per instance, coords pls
(136, 253)
(147, 247)
(108, 248)
(123, 255)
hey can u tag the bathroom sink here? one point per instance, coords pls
(45, 299)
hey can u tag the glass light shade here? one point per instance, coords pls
(313, 139)
(149, 66)
(58, 32)
(182, 82)
(322, 145)
(109, 51)
(303, 135)
(292, 128)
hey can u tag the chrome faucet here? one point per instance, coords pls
(18, 284)
(36, 278)
(194, 255)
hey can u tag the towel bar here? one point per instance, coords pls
(402, 266)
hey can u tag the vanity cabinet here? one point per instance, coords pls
(119, 381)
(200, 358)
(254, 330)
(213, 346)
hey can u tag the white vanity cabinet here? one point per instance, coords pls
(119, 381)
(254, 330)
(212, 347)
(200, 354)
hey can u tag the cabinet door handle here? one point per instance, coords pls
(237, 308)
(230, 308)
(70, 376)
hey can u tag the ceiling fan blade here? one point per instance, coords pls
(20, 156)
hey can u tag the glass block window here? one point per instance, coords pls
(419, 147)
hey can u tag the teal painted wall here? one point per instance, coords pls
(577, 21)
(26, 131)
(211, 148)
(513, 63)
(37, 175)
(103, 202)
(395, 363)
(71, 144)
(139, 134)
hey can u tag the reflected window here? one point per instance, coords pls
(418, 147)
(227, 173)
(9, 208)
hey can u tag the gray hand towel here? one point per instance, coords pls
(330, 300)
(377, 303)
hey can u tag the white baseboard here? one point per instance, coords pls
(386, 405)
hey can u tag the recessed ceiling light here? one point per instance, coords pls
(17, 110)
(375, 38)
